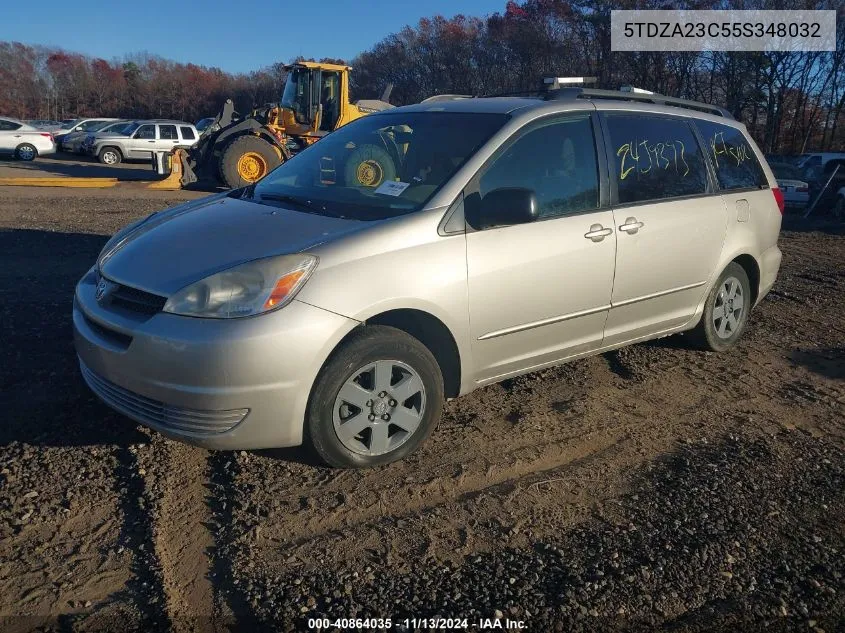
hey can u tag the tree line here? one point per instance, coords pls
(791, 102)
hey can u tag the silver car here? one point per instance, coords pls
(141, 139)
(498, 236)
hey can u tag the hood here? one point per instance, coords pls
(177, 247)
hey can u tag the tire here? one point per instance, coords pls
(368, 166)
(839, 209)
(26, 152)
(110, 156)
(716, 332)
(393, 428)
(246, 160)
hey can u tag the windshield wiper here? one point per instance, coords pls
(299, 202)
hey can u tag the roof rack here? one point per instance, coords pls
(630, 95)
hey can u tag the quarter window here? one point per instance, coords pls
(736, 164)
(655, 158)
(168, 132)
(557, 160)
(187, 133)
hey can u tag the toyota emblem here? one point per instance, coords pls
(102, 289)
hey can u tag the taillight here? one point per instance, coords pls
(48, 135)
(802, 189)
(778, 198)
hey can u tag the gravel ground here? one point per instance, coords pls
(653, 488)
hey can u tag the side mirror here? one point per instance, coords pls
(507, 206)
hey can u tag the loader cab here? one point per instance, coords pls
(315, 97)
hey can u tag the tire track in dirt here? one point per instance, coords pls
(176, 477)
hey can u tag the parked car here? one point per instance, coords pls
(87, 143)
(796, 192)
(74, 141)
(499, 236)
(24, 141)
(80, 125)
(202, 124)
(47, 125)
(826, 186)
(138, 141)
(813, 165)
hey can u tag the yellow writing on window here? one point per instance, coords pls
(736, 154)
(641, 157)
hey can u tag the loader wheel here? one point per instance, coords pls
(368, 166)
(246, 160)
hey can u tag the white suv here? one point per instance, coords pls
(142, 138)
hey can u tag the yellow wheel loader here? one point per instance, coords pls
(237, 151)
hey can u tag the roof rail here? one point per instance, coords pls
(592, 93)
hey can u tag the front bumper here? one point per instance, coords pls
(221, 384)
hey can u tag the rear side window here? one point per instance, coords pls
(655, 158)
(9, 125)
(736, 164)
(146, 132)
(187, 133)
(557, 160)
(168, 132)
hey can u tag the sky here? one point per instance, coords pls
(217, 32)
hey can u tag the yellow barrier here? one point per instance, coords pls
(93, 183)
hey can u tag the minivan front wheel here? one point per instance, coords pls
(375, 401)
(726, 311)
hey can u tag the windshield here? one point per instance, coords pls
(381, 165)
(69, 124)
(296, 97)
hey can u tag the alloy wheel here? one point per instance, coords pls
(379, 407)
(728, 308)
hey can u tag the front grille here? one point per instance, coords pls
(158, 414)
(137, 300)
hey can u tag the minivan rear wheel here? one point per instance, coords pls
(726, 311)
(376, 400)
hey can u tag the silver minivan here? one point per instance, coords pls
(496, 236)
(141, 139)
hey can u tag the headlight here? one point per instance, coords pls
(245, 290)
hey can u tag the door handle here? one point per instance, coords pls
(597, 233)
(631, 226)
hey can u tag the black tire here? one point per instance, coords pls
(229, 173)
(370, 344)
(839, 209)
(26, 152)
(368, 166)
(110, 155)
(706, 335)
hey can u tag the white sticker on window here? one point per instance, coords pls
(392, 188)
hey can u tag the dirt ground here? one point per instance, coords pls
(653, 488)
